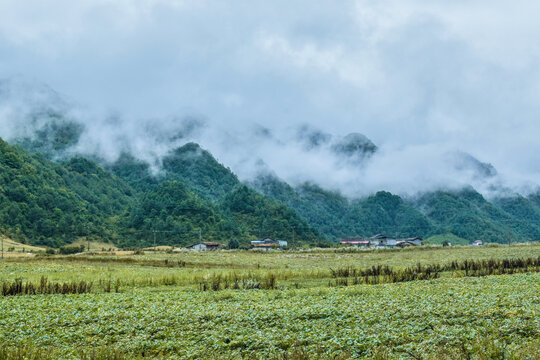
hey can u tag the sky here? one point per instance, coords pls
(421, 79)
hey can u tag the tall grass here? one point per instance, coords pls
(218, 282)
(383, 274)
(380, 274)
(18, 287)
(495, 266)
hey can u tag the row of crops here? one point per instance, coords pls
(473, 308)
(268, 280)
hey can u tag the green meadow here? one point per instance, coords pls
(422, 303)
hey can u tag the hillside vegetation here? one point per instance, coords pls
(46, 203)
(55, 203)
(464, 213)
(192, 196)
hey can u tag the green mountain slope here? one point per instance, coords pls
(326, 211)
(525, 216)
(388, 214)
(134, 172)
(465, 214)
(46, 203)
(260, 217)
(203, 174)
(218, 188)
(171, 214)
(469, 215)
(53, 203)
(336, 216)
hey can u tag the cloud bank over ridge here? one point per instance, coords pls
(422, 80)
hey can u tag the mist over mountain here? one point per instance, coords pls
(188, 190)
(38, 118)
(258, 85)
(329, 185)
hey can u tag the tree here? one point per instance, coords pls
(233, 244)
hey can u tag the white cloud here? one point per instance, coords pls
(358, 68)
(52, 28)
(415, 76)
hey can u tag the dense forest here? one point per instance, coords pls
(55, 203)
(52, 204)
(50, 198)
(463, 215)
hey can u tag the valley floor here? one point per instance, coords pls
(280, 305)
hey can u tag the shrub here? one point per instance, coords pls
(233, 244)
(71, 249)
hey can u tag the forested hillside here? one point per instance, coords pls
(194, 195)
(46, 203)
(55, 203)
(201, 171)
(336, 216)
(261, 217)
(466, 214)
(191, 196)
(469, 215)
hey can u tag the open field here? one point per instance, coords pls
(12, 247)
(282, 305)
(96, 245)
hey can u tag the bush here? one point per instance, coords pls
(233, 244)
(324, 244)
(68, 250)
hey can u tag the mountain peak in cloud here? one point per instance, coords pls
(355, 146)
(312, 138)
(463, 161)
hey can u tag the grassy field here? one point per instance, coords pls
(15, 248)
(277, 305)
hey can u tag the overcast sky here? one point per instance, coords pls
(411, 75)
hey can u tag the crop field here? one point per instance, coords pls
(423, 303)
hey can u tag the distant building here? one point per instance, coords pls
(416, 241)
(477, 243)
(204, 246)
(381, 241)
(356, 242)
(265, 247)
(268, 244)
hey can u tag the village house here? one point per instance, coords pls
(268, 244)
(381, 241)
(477, 243)
(416, 241)
(355, 242)
(264, 247)
(204, 246)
